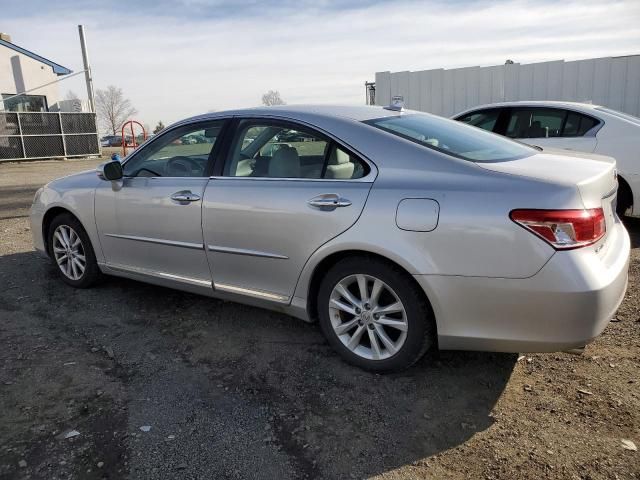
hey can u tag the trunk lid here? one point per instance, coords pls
(594, 176)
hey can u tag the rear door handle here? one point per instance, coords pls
(185, 196)
(328, 201)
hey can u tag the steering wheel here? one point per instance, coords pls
(181, 166)
(155, 174)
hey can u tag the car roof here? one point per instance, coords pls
(353, 112)
(533, 103)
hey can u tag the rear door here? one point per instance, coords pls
(551, 128)
(283, 190)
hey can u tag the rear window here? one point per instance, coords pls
(453, 138)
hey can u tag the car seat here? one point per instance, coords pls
(285, 163)
(340, 165)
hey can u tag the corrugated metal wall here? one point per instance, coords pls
(612, 81)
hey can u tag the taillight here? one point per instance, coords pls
(563, 229)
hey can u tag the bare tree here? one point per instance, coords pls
(272, 97)
(112, 108)
(71, 95)
(159, 127)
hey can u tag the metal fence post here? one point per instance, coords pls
(24, 152)
(95, 119)
(64, 138)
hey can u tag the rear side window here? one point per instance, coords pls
(577, 125)
(535, 123)
(264, 148)
(547, 123)
(452, 137)
(484, 119)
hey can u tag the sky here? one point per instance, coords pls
(177, 58)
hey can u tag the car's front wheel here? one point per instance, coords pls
(375, 315)
(71, 251)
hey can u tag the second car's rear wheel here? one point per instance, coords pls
(624, 199)
(374, 314)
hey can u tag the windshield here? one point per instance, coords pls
(453, 138)
(624, 116)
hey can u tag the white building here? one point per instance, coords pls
(22, 70)
(613, 82)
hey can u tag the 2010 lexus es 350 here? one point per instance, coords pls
(397, 230)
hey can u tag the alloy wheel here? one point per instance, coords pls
(69, 252)
(368, 317)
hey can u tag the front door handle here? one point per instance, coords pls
(185, 196)
(328, 201)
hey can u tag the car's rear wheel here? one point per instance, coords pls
(374, 315)
(71, 251)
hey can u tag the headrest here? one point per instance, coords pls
(339, 157)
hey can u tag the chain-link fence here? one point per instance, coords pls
(47, 135)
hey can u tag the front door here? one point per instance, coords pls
(283, 192)
(150, 222)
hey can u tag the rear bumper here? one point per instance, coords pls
(565, 305)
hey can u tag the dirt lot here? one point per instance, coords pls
(230, 391)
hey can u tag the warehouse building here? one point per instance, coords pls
(613, 82)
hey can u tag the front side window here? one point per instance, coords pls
(181, 152)
(278, 150)
(452, 137)
(484, 119)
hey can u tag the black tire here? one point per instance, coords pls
(421, 329)
(91, 273)
(624, 199)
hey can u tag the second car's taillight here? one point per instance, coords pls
(563, 229)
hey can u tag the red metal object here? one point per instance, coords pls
(134, 142)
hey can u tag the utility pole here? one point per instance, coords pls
(87, 69)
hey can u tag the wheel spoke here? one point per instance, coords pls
(388, 343)
(80, 257)
(76, 242)
(343, 306)
(375, 293)
(346, 294)
(74, 268)
(58, 249)
(375, 346)
(79, 264)
(68, 268)
(390, 322)
(61, 258)
(391, 308)
(355, 339)
(60, 238)
(362, 286)
(65, 235)
(345, 327)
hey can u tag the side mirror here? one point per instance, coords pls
(110, 171)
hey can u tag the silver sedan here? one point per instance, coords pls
(398, 231)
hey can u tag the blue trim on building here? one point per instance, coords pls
(57, 69)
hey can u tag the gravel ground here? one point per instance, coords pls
(229, 391)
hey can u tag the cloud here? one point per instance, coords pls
(182, 58)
